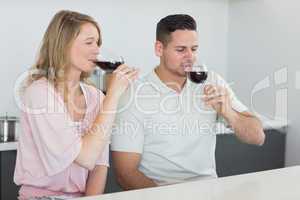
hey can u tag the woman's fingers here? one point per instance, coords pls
(132, 75)
(119, 68)
(124, 70)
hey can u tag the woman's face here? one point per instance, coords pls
(84, 49)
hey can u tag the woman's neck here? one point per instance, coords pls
(72, 83)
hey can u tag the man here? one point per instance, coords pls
(165, 130)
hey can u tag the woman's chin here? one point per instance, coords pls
(89, 69)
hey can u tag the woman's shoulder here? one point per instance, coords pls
(38, 92)
(38, 87)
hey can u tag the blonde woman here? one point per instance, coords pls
(63, 145)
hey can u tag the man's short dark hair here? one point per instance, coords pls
(171, 23)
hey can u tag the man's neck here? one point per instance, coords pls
(171, 80)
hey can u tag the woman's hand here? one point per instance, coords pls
(121, 79)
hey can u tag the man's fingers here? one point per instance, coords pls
(213, 96)
(207, 88)
(215, 102)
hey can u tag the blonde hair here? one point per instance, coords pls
(53, 58)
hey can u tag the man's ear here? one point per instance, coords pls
(158, 48)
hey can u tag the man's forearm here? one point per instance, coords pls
(135, 180)
(247, 128)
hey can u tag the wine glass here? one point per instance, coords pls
(197, 73)
(107, 60)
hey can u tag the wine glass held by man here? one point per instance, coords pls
(66, 122)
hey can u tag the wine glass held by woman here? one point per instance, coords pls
(63, 145)
(108, 60)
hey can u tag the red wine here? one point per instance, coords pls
(197, 77)
(108, 66)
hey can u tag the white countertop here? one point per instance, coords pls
(8, 146)
(279, 184)
(220, 129)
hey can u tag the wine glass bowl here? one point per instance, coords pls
(198, 73)
(108, 61)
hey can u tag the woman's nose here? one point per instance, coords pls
(96, 50)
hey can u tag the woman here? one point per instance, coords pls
(63, 146)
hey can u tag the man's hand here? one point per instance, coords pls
(246, 126)
(218, 98)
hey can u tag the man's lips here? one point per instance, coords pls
(187, 66)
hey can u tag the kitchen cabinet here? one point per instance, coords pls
(8, 190)
(234, 157)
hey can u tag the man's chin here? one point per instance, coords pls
(183, 74)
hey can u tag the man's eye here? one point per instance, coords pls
(179, 50)
(89, 43)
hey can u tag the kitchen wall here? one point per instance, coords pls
(264, 62)
(128, 28)
(254, 43)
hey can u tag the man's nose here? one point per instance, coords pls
(189, 54)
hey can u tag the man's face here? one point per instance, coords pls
(179, 54)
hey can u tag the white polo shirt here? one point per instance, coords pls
(174, 133)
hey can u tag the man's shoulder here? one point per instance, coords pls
(216, 78)
(148, 84)
(140, 86)
(214, 75)
(138, 93)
